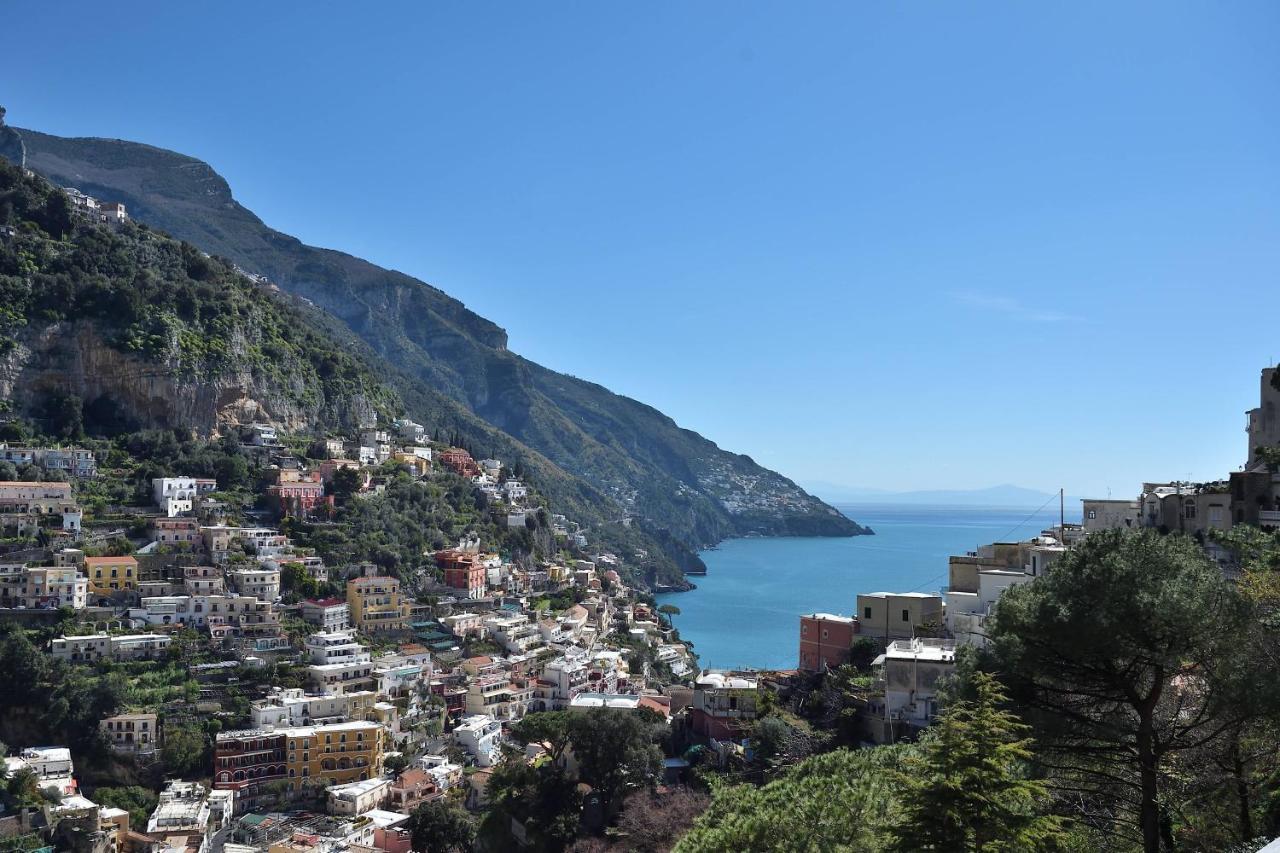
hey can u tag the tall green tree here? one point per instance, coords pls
(967, 788)
(616, 751)
(139, 802)
(542, 798)
(1131, 650)
(839, 802)
(551, 729)
(184, 749)
(441, 827)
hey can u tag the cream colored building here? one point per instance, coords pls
(889, 616)
(132, 733)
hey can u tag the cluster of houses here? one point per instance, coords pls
(96, 211)
(432, 669)
(917, 633)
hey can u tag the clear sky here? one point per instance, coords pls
(896, 245)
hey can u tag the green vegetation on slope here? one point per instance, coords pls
(194, 324)
(668, 477)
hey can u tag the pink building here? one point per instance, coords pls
(825, 640)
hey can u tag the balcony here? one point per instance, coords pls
(1269, 516)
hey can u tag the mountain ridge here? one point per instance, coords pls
(107, 330)
(629, 451)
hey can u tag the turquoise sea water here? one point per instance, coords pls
(746, 611)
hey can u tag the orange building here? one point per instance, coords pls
(462, 571)
(460, 462)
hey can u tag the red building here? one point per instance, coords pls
(825, 640)
(247, 761)
(460, 462)
(462, 571)
(299, 497)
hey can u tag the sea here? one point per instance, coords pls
(746, 611)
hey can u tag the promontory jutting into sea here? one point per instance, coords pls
(660, 428)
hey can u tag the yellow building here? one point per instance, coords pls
(111, 574)
(376, 604)
(338, 753)
(250, 762)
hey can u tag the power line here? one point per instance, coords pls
(1034, 512)
(1005, 535)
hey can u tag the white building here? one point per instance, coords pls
(514, 632)
(329, 614)
(92, 647)
(479, 736)
(264, 435)
(183, 809)
(262, 584)
(339, 663)
(174, 495)
(52, 764)
(967, 612)
(409, 431)
(561, 680)
(444, 773)
(356, 798)
(291, 707)
(912, 669)
(394, 676)
(614, 701)
(462, 624)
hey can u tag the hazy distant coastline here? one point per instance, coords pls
(1004, 495)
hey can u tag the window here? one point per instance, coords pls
(866, 613)
(906, 615)
(1189, 509)
(1093, 513)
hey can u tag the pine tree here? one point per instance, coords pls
(966, 789)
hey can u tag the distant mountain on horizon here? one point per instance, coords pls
(1004, 494)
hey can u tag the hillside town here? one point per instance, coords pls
(421, 675)
(276, 614)
(330, 718)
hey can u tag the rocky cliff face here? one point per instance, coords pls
(657, 472)
(75, 359)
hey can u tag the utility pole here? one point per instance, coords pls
(1062, 516)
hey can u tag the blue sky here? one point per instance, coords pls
(921, 245)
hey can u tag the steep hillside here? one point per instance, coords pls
(112, 329)
(653, 469)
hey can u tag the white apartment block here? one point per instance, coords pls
(480, 736)
(92, 647)
(174, 495)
